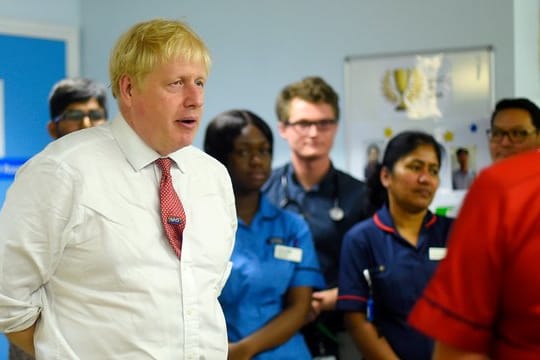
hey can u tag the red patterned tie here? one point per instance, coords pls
(173, 216)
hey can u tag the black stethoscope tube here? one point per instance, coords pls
(335, 213)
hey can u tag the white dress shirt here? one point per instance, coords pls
(83, 251)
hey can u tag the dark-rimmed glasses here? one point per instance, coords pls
(515, 136)
(74, 115)
(303, 126)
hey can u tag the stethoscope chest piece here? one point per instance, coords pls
(336, 213)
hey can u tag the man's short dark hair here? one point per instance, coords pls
(519, 103)
(461, 150)
(68, 91)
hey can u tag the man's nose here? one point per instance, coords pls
(505, 140)
(85, 122)
(194, 97)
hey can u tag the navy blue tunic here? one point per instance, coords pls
(398, 272)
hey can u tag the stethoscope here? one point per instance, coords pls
(335, 213)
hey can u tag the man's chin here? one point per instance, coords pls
(312, 155)
(500, 157)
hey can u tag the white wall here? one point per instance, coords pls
(258, 47)
(526, 41)
(51, 12)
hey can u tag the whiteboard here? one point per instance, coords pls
(448, 93)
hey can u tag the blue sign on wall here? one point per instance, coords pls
(9, 166)
(29, 67)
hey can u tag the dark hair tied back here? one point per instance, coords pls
(398, 147)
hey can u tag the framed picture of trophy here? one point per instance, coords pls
(448, 93)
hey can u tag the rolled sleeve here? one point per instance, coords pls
(33, 221)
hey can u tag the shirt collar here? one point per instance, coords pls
(137, 152)
(383, 220)
(327, 181)
(267, 209)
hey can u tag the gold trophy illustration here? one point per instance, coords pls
(402, 86)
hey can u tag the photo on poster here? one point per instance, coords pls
(463, 160)
(374, 149)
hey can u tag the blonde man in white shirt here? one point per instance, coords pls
(87, 271)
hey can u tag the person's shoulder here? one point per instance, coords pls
(443, 223)
(200, 160)
(284, 217)
(445, 220)
(351, 186)
(278, 172)
(514, 171)
(360, 235)
(274, 180)
(79, 146)
(361, 227)
(348, 178)
(271, 210)
(291, 217)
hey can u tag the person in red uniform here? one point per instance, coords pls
(484, 300)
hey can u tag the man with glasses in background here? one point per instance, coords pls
(74, 104)
(515, 125)
(482, 302)
(330, 200)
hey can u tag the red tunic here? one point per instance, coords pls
(485, 295)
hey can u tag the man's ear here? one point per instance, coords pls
(281, 129)
(53, 131)
(125, 87)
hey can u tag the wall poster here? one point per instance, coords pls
(448, 93)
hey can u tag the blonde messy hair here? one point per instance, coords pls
(151, 43)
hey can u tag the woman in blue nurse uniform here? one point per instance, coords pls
(390, 257)
(267, 297)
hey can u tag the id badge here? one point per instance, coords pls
(288, 253)
(437, 253)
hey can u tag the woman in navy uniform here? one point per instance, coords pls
(267, 297)
(388, 259)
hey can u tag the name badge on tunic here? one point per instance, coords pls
(437, 253)
(288, 253)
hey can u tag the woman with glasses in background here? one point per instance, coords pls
(268, 294)
(389, 258)
(515, 125)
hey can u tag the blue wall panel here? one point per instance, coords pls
(28, 67)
